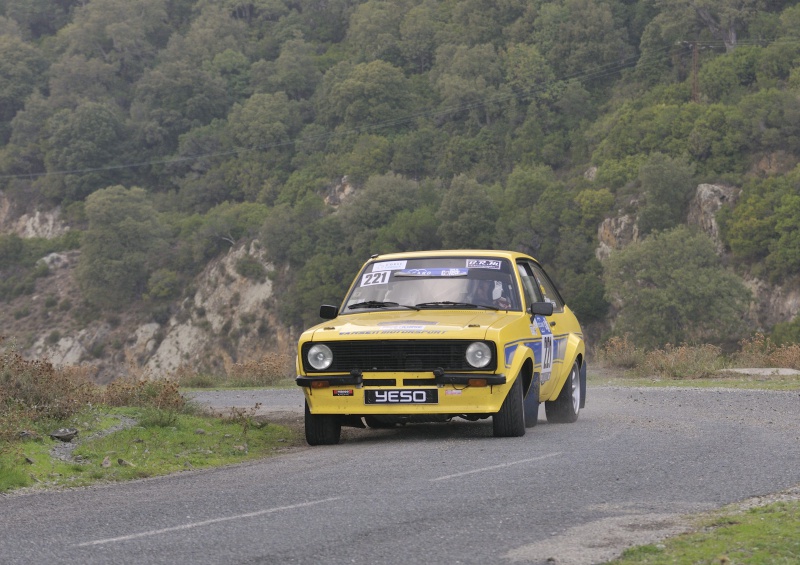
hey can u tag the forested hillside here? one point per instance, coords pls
(167, 131)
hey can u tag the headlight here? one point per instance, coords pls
(478, 354)
(320, 357)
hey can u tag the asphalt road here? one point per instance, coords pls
(629, 471)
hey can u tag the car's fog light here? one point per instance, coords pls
(320, 357)
(478, 354)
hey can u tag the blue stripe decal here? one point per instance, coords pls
(559, 349)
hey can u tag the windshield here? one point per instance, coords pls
(435, 283)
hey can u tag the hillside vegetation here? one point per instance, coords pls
(166, 131)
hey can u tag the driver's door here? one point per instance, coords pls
(553, 329)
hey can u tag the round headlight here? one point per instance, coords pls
(478, 354)
(320, 357)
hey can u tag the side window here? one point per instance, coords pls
(548, 289)
(529, 285)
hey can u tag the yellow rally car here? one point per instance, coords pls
(429, 336)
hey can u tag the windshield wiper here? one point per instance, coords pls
(379, 304)
(448, 304)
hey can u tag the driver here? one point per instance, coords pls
(484, 295)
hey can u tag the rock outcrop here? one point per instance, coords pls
(228, 318)
(707, 201)
(771, 303)
(47, 224)
(616, 233)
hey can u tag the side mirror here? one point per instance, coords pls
(541, 309)
(328, 312)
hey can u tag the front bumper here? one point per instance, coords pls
(458, 393)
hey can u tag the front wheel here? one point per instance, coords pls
(322, 429)
(532, 403)
(565, 408)
(509, 421)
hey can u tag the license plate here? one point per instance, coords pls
(418, 396)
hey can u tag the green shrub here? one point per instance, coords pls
(672, 288)
(152, 417)
(786, 332)
(163, 284)
(20, 313)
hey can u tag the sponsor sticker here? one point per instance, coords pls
(547, 348)
(388, 266)
(345, 392)
(404, 325)
(483, 264)
(433, 272)
(453, 392)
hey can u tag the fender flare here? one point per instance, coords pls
(583, 383)
(522, 355)
(575, 350)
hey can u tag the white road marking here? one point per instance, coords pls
(205, 523)
(493, 467)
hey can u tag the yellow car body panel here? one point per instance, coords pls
(392, 325)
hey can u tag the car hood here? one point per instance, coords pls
(423, 324)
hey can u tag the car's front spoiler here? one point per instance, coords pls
(466, 378)
(332, 380)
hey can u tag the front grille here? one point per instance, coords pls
(398, 355)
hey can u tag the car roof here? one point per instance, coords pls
(512, 255)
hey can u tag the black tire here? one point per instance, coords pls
(322, 429)
(509, 421)
(565, 408)
(532, 403)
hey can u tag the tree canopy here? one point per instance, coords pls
(672, 288)
(337, 129)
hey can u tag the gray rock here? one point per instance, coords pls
(64, 434)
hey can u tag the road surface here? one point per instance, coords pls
(631, 468)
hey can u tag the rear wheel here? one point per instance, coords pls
(322, 429)
(509, 421)
(565, 408)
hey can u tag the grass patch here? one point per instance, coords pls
(185, 442)
(160, 442)
(12, 477)
(760, 536)
(132, 428)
